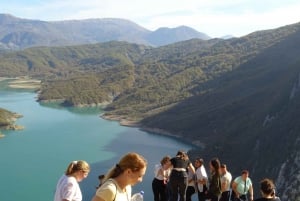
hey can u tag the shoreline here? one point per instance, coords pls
(12, 125)
(28, 83)
(22, 82)
(123, 121)
(5, 78)
(156, 131)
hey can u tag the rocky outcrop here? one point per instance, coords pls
(288, 181)
(8, 119)
(14, 127)
(295, 88)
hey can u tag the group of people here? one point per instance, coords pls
(115, 185)
(175, 179)
(178, 178)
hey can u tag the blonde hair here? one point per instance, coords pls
(132, 161)
(76, 166)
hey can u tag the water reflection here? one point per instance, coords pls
(95, 110)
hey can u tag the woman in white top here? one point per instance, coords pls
(191, 185)
(67, 188)
(161, 176)
(118, 181)
(201, 179)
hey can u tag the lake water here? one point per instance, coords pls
(33, 159)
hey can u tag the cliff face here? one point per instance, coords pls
(289, 177)
(288, 181)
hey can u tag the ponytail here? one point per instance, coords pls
(76, 166)
(132, 161)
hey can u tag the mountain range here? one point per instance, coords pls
(17, 33)
(237, 99)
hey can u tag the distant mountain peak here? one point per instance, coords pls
(165, 35)
(6, 18)
(94, 30)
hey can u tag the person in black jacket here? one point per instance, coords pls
(214, 189)
(267, 189)
(179, 178)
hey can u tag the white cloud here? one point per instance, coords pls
(240, 22)
(213, 17)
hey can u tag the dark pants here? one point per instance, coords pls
(243, 197)
(159, 190)
(225, 196)
(201, 196)
(213, 198)
(178, 185)
(189, 192)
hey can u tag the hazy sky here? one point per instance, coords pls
(216, 18)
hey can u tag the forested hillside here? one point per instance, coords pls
(237, 99)
(249, 116)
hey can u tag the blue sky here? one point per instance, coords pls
(213, 17)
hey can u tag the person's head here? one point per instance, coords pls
(101, 177)
(245, 174)
(132, 165)
(223, 168)
(198, 162)
(78, 169)
(215, 165)
(182, 154)
(267, 187)
(166, 161)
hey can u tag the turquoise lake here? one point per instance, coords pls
(33, 159)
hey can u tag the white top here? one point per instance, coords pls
(67, 188)
(201, 174)
(166, 173)
(226, 178)
(110, 190)
(156, 170)
(191, 179)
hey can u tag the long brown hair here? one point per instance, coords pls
(215, 163)
(132, 161)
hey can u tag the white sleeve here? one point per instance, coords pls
(156, 169)
(203, 172)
